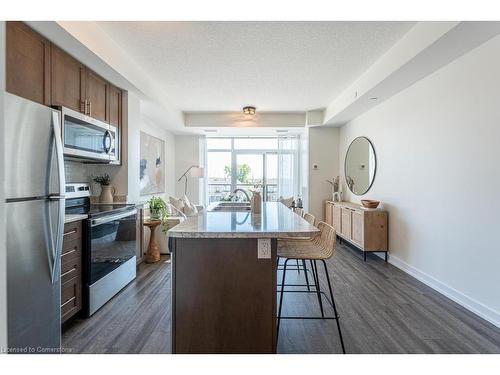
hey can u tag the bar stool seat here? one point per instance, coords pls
(302, 248)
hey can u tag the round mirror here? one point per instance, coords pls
(360, 165)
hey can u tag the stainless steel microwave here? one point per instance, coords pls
(87, 138)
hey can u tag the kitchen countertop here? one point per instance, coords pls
(72, 218)
(275, 221)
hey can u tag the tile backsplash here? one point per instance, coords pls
(80, 172)
(77, 172)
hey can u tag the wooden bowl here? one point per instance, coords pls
(368, 203)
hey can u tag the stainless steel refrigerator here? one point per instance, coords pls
(34, 187)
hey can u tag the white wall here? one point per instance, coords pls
(3, 253)
(438, 148)
(188, 154)
(137, 123)
(323, 151)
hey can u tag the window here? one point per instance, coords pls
(244, 163)
(219, 175)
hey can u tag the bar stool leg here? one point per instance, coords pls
(334, 307)
(318, 289)
(281, 300)
(313, 274)
(305, 273)
(298, 267)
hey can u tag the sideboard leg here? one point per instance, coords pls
(386, 256)
(364, 255)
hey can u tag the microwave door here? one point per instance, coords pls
(85, 137)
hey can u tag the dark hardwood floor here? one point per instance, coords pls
(382, 309)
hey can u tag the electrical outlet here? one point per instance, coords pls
(264, 248)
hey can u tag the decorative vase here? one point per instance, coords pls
(107, 193)
(256, 202)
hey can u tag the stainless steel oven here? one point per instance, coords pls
(87, 138)
(112, 240)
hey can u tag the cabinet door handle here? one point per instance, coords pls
(68, 301)
(69, 252)
(83, 106)
(89, 108)
(68, 272)
(70, 232)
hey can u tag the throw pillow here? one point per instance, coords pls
(189, 208)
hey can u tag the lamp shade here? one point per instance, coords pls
(197, 172)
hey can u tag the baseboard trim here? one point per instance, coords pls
(470, 304)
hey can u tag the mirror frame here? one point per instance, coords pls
(374, 172)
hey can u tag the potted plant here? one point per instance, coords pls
(107, 191)
(158, 211)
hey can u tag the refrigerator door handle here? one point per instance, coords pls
(56, 126)
(57, 244)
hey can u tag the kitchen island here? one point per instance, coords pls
(224, 278)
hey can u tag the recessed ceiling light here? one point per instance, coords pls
(373, 98)
(281, 131)
(249, 110)
(210, 130)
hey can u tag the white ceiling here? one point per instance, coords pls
(276, 66)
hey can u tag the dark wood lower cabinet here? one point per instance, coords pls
(71, 273)
(223, 297)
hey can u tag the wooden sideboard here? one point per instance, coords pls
(365, 228)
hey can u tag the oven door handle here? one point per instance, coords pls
(107, 219)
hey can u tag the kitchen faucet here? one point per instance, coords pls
(233, 194)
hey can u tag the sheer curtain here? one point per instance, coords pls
(203, 182)
(288, 166)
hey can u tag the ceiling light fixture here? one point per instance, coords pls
(249, 110)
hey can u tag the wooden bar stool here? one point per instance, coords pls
(320, 247)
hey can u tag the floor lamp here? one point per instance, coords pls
(194, 171)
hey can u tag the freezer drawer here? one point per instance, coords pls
(33, 299)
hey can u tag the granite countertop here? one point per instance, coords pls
(72, 218)
(275, 221)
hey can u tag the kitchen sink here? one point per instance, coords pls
(230, 206)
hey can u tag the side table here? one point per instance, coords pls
(153, 252)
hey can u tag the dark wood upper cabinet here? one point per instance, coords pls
(68, 81)
(38, 70)
(97, 95)
(27, 63)
(115, 106)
